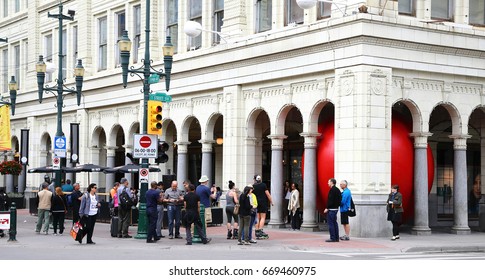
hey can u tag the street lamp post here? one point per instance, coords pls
(60, 88)
(12, 87)
(144, 73)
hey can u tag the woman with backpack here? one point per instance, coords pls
(88, 211)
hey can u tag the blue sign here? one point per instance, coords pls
(60, 146)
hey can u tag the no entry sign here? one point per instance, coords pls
(145, 146)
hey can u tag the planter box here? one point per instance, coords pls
(19, 202)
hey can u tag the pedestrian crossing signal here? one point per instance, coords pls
(154, 117)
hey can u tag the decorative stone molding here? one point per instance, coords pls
(252, 141)
(304, 87)
(207, 145)
(277, 141)
(273, 91)
(182, 147)
(347, 81)
(311, 139)
(421, 139)
(378, 82)
(459, 141)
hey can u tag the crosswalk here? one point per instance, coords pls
(403, 256)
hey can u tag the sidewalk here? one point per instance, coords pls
(280, 239)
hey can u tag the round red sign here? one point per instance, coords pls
(143, 172)
(145, 142)
(56, 160)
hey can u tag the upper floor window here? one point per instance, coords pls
(137, 31)
(74, 46)
(16, 58)
(5, 8)
(477, 12)
(102, 43)
(120, 26)
(264, 12)
(5, 70)
(442, 9)
(48, 55)
(172, 21)
(64, 53)
(195, 14)
(407, 7)
(218, 17)
(293, 13)
(17, 6)
(324, 10)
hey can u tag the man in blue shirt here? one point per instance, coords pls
(344, 209)
(152, 197)
(205, 194)
(67, 187)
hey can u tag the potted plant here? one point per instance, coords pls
(10, 167)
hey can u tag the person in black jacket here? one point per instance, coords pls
(245, 215)
(76, 202)
(333, 203)
(58, 210)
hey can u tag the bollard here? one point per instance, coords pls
(196, 238)
(12, 233)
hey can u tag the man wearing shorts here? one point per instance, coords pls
(344, 209)
(264, 199)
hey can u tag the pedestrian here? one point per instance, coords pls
(160, 210)
(192, 210)
(44, 207)
(205, 194)
(46, 180)
(333, 203)
(394, 210)
(287, 193)
(245, 215)
(4, 205)
(231, 201)
(218, 191)
(89, 212)
(124, 214)
(67, 187)
(294, 207)
(58, 210)
(174, 200)
(264, 200)
(152, 198)
(76, 202)
(344, 209)
(114, 201)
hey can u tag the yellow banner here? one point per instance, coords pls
(5, 142)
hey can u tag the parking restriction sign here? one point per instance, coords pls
(144, 175)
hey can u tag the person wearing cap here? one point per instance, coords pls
(44, 207)
(46, 180)
(264, 200)
(174, 199)
(205, 194)
(124, 214)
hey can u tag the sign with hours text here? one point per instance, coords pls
(145, 146)
(60, 145)
(4, 221)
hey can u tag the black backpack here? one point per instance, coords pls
(126, 202)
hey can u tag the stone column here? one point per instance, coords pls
(110, 162)
(421, 222)
(182, 149)
(310, 182)
(206, 168)
(276, 220)
(9, 177)
(460, 191)
(95, 158)
(481, 210)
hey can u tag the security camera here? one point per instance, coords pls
(71, 12)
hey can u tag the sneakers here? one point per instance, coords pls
(345, 237)
(394, 238)
(206, 241)
(241, 243)
(170, 237)
(55, 234)
(252, 241)
(178, 237)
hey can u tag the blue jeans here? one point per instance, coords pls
(252, 221)
(332, 224)
(160, 210)
(173, 214)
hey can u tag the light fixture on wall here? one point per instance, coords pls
(219, 140)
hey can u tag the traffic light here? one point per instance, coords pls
(154, 117)
(162, 157)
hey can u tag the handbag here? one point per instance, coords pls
(208, 215)
(352, 212)
(76, 227)
(236, 208)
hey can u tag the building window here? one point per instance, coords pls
(16, 59)
(25, 67)
(324, 10)
(407, 7)
(5, 70)
(103, 44)
(5, 8)
(17, 6)
(218, 17)
(172, 22)
(48, 55)
(195, 14)
(64, 53)
(477, 12)
(137, 31)
(264, 11)
(120, 26)
(74, 45)
(442, 9)
(293, 13)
